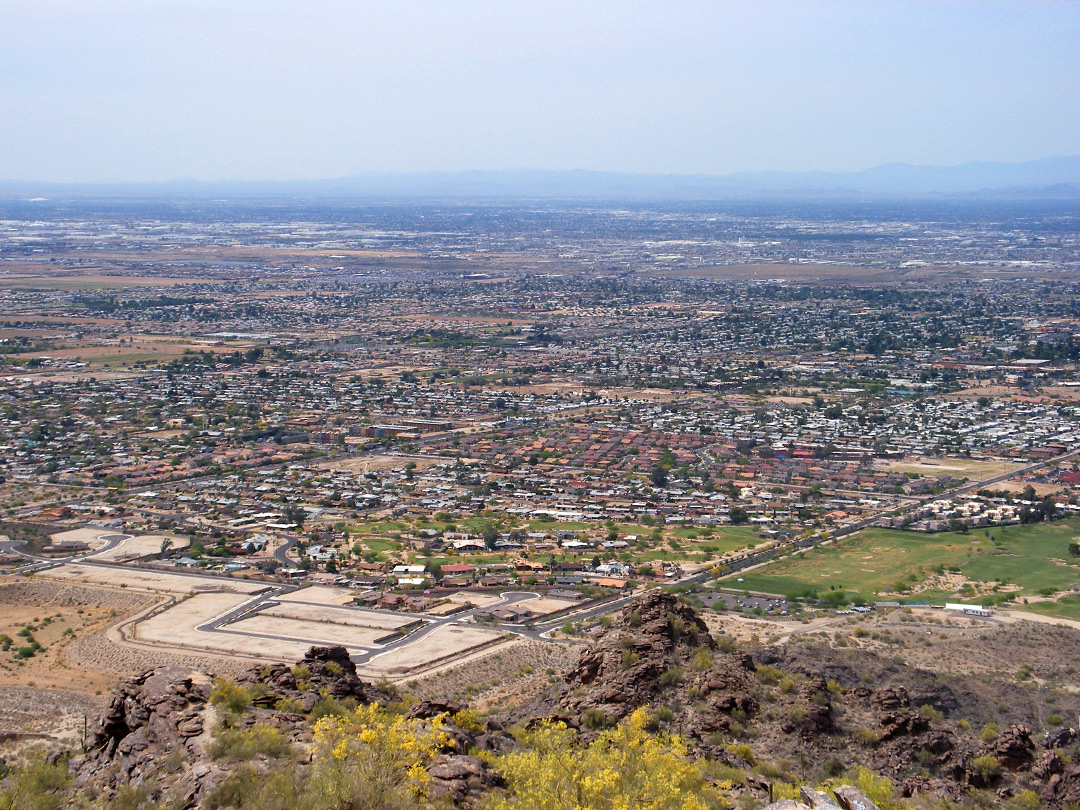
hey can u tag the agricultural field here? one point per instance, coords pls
(980, 565)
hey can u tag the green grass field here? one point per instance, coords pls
(878, 561)
(1068, 607)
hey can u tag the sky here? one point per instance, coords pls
(150, 90)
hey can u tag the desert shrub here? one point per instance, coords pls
(672, 676)
(703, 659)
(370, 758)
(329, 705)
(289, 706)
(832, 767)
(787, 684)
(301, 672)
(334, 668)
(131, 797)
(1053, 719)
(629, 659)
(769, 769)
(230, 696)
(864, 736)
(248, 789)
(726, 644)
(987, 766)
(677, 625)
(928, 712)
(468, 720)
(768, 675)
(665, 714)
(595, 719)
(878, 789)
(262, 739)
(743, 752)
(35, 784)
(989, 732)
(624, 767)
(1028, 800)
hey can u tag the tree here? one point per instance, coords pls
(490, 534)
(1074, 548)
(739, 515)
(658, 475)
(166, 547)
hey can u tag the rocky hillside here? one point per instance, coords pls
(752, 727)
(821, 711)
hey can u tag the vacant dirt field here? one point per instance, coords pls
(319, 595)
(91, 535)
(546, 606)
(956, 467)
(144, 546)
(54, 617)
(362, 464)
(147, 580)
(452, 639)
(474, 598)
(311, 632)
(353, 617)
(175, 628)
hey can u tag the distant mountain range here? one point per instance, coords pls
(1049, 178)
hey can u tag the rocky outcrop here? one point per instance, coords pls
(464, 779)
(1014, 748)
(323, 670)
(902, 723)
(646, 650)
(150, 715)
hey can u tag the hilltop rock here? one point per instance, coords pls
(646, 649)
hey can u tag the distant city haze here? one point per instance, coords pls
(155, 90)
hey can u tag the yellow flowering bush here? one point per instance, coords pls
(368, 758)
(625, 768)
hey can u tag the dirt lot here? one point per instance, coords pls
(353, 617)
(311, 632)
(362, 464)
(320, 595)
(175, 628)
(956, 467)
(474, 598)
(143, 546)
(91, 535)
(546, 606)
(147, 580)
(451, 639)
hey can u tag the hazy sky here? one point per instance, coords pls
(223, 89)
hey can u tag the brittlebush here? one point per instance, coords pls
(369, 759)
(625, 768)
